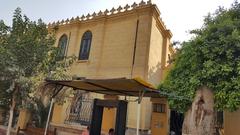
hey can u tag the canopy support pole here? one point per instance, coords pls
(138, 116)
(139, 110)
(55, 92)
(49, 114)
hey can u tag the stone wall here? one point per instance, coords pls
(232, 122)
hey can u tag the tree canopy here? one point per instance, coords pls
(211, 59)
(27, 57)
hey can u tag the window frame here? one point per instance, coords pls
(159, 108)
(62, 53)
(85, 46)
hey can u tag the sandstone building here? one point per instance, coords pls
(131, 42)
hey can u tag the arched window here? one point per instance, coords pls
(85, 45)
(62, 44)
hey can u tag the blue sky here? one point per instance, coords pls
(180, 16)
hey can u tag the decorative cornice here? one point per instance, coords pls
(89, 16)
(113, 11)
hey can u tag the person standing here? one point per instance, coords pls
(86, 131)
(111, 131)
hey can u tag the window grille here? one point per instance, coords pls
(80, 110)
(159, 108)
(62, 44)
(85, 46)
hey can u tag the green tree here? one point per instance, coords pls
(27, 57)
(211, 59)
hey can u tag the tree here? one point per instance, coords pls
(27, 57)
(211, 60)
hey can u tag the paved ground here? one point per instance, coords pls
(133, 132)
(128, 132)
(2, 132)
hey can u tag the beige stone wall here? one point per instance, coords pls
(168, 52)
(59, 112)
(112, 47)
(24, 117)
(155, 54)
(232, 123)
(160, 121)
(145, 114)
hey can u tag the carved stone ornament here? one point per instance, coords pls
(106, 12)
(88, 16)
(134, 5)
(142, 3)
(119, 9)
(112, 10)
(127, 7)
(100, 13)
(83, 17)
(94, 14)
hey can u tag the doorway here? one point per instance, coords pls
(97, 115)
(176, 122)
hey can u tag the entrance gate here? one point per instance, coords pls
(116, 86)
(96, 123)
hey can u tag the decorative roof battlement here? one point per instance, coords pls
(107, 12)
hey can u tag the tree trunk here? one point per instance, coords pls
(10, 118)
(12, 107)
(199, 119)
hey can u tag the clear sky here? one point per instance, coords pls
(180, 16)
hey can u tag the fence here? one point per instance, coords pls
(80, 111)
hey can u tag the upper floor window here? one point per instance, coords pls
(85, 45)
(62, 44)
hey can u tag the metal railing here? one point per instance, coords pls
(80, 111)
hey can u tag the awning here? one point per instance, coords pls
(117, 86)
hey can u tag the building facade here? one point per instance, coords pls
(130, 41)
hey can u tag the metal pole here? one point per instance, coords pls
(49, 114)
(138, 116)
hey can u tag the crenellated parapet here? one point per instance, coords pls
(107, 12)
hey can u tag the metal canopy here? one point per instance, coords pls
(118, 86)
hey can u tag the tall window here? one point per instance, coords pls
(62, 44)
(85, 45)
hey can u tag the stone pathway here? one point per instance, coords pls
(133, 132)
(2, 132)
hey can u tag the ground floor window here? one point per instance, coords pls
(80, 109)
(159, 108)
